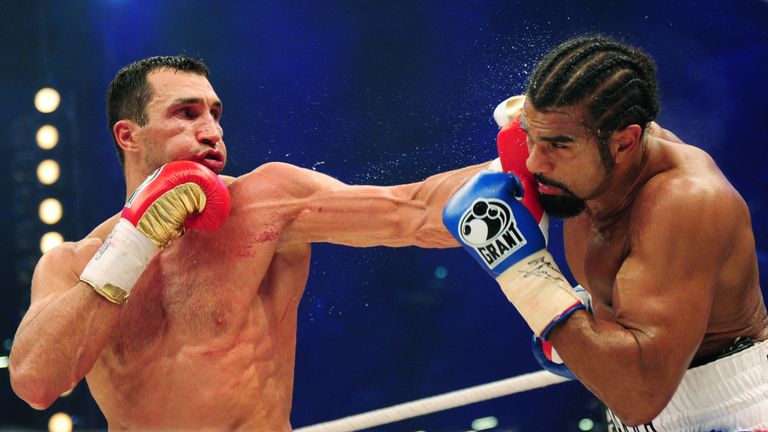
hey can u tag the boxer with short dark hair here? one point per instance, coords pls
(676, 336)
(180, 312)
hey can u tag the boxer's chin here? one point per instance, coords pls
(562, 206)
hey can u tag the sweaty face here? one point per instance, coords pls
(183, 123)
(564, 159)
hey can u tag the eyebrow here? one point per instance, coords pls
(557, 139)
(193, 101)
(554, 139)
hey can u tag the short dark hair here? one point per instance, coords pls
(616, 82)
(129, 92)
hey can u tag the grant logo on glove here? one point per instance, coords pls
(489, 227)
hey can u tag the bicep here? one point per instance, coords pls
(59, 270)
(408, 214)
(664, 289)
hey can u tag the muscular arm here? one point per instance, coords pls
(65, 328)
(662, 297)
(323, 209)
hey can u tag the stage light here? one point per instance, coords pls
(485, 423)
(48, 171)
(441, 272)
(60, 422)
(3, 362)
(47, 99)
(47, 137)
(50, 211)
(586, 424)
(50, 240)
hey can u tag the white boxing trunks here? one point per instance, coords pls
(728, 394)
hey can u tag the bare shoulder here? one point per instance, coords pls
(692, 195)
(59, 268)
(104, 228)
(283, 178)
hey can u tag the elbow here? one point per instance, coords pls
(31, 387)
(639, 411)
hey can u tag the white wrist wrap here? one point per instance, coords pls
(539, 291)
(119, 263)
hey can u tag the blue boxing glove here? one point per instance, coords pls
(500, 233)
(545, 353)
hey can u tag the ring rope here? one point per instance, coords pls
(441, 402)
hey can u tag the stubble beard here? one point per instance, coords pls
(153, 158)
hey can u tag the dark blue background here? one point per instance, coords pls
(372, 92)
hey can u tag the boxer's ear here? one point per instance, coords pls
(625, 141)
(124, 132)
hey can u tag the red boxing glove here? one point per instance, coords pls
(201, 199)
(177, 195)
(513, 152)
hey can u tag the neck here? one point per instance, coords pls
(134, 175)
(621, 187)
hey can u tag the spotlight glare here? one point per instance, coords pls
(441, 272)
(50, 211)
(47, 137)
(485, 423)
(60, 422)
(48, 172)
(3, 362)
(47, 99)
(586, 424)
(50, 240)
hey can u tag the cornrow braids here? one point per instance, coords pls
(615, 82)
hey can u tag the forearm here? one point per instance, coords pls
(326, 210)
(58, 342)
(432, 194)
(618, 365)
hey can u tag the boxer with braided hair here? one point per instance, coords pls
(617, 84)
(669, 326)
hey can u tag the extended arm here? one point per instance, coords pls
(324, 209)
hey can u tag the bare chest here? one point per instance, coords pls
(596, 255)
(204, 291)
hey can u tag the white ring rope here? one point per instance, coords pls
(441, 402)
